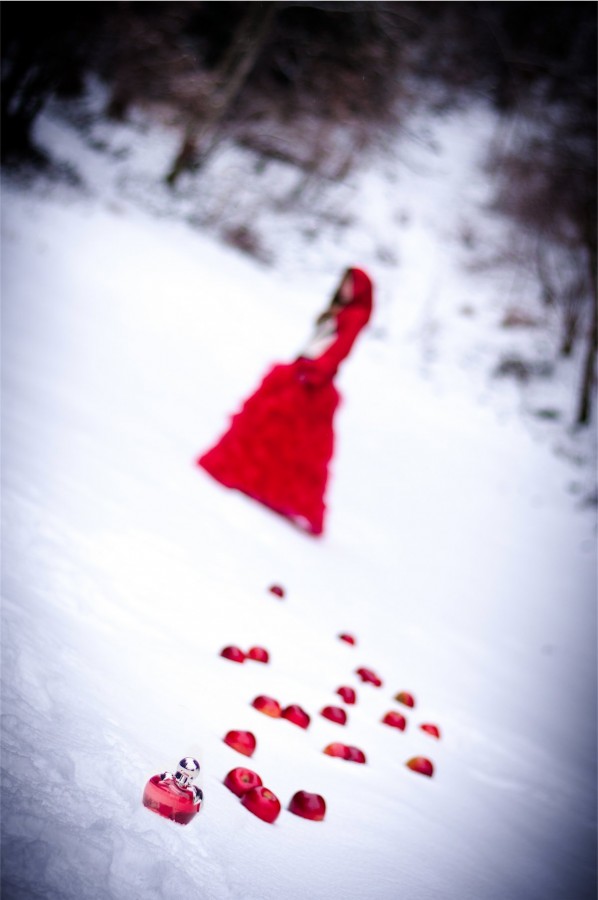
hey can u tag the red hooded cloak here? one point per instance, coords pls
(279, 445)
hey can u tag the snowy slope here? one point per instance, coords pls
(455, 551)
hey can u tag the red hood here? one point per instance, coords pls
(362, 302)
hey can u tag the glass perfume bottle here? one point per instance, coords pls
(175, 796)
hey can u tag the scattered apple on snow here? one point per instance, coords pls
(335, 714)
(267, 705)
(347, 638)
(352, 754)
(258, 654)
(235, 654)
(241, 780)
(308, 806)
(369, 676)
(347, 694)
(405, 698)
(395, 720)
(431, 729)
(277, 590)
(421, 764)
(242, 741)
(336, 749)
(262, 803)
(295, 714)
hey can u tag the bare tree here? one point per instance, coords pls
(45, 51)
(588, 381)
(201, 133)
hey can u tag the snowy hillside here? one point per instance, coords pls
(458, 548)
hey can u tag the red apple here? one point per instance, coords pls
(335, 714)
(395, 720)
(277, 590)
(369, 676)
(308, 806)
(296, 715)
(348, 638)
(259, 654)
(235, 654)
(262, 803)
(242, 741)
(406, 698)
(336, 749)
(241, 780)
(352, 754)
(347, 694)
(422, 765)
(431, 729)
(267, 705)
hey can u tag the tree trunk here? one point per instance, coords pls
(570, 329)
(584, 413)
(201, 136)
(589, 371)
(24, 93)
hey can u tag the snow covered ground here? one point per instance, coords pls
(457, 549)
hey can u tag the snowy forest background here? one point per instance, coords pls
(182, 185)
(316, 85)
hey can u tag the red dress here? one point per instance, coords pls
(278, 446)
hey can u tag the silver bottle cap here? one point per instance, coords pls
(187, 770)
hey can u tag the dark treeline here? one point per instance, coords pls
(260, 72)
(277, 60)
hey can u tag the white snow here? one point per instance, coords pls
(456, 550)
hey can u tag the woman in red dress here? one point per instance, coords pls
(278, 446)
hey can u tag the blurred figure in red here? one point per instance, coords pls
(280, 443)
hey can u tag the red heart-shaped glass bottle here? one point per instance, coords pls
(174, 796)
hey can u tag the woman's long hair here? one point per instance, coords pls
(362, 296)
